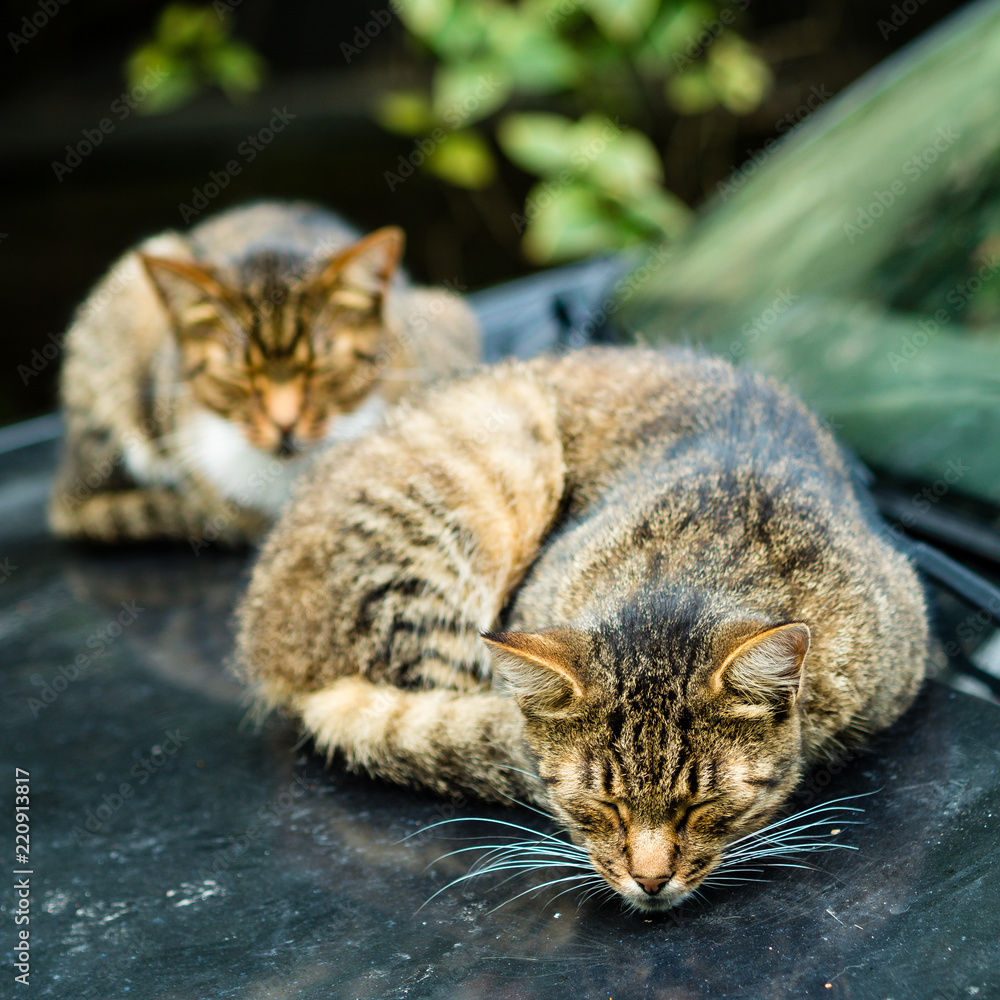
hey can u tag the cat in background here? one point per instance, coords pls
(636, 589)
(207, 367)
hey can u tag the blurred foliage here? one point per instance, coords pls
(601, 73)
(861, 266)
(571, 91)
(191, 50)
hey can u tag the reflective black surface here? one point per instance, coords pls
(180, 852)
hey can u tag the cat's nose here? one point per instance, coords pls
(651, 886)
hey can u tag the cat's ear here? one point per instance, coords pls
(360, 274)
(185, 288)
(766, 669)
(546, 670)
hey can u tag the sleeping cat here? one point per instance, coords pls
(206, 367)
(637, 589)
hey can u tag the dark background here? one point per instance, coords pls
(60, 235)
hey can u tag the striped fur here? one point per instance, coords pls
(683, 602)
(206, 368)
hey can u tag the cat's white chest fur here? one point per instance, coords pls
(222, 455)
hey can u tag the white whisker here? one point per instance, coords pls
(538, 888)
(487, 819)
(790, 835)
(745, 861)
(593, 876)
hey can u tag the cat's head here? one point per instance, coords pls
(281, 354)
(657, 755)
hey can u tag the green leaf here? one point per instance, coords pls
(627, 164)
(545, 65)
(556, 15)
(424, 17)
(176, 80)
(463, 159)
(660, 211)
(567, 222)
(149, 57)
(739, 78)
(191, 49)
(680, 29)
(622, 21)
(468, 92)
(692, 92)
(462, 34)
(613, 157)
(406, 112)
(236, 68)
(538, 142)
(537, 59)
(183, 26)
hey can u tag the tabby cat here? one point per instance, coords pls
(207, 366)
(637, 589)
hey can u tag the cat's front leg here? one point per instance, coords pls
(133, 513)
(398, 551)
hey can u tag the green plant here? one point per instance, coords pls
(191, 50)
(573, 92)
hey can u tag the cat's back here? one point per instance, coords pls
(631, 412)
(679, 449)
(711, 492)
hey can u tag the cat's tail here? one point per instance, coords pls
(449, 742)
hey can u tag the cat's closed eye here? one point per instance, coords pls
(612, 810)
(709, 819)
(595, 817)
